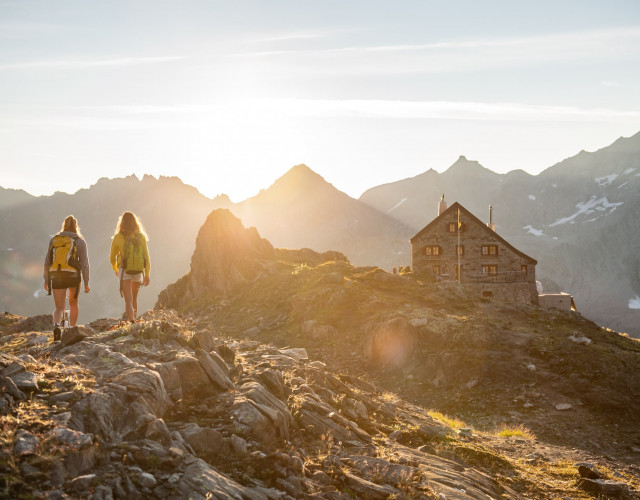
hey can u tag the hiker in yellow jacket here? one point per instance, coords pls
(129, 258)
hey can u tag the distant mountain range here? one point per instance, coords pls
(579, 219)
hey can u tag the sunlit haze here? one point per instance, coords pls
(228, 96)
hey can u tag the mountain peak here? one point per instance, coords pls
(462, 166)
(301, 174)
(300, 180)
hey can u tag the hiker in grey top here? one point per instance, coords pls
(65, 266)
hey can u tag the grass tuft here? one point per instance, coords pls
(515, 431)
(451, 422)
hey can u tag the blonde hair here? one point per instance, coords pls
(70, 224)
(129, 224)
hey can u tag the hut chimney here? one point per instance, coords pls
(442, 206)
(491, 225)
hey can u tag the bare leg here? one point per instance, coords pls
(73, 307)
(135, 288)
(125, 286)
(60, 299)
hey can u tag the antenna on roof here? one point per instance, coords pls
(491, 225)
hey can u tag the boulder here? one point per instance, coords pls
(273, 382)
(8, 386)
(74, 335)
(25, 443)
(203, 339)
(99, 413)
(157, 430)
(260, 422)
(204, 441)
(194, 381)
(589, 471)
(215, 367)
(275, 409)
(370, 490)
(147, 384)
(14, 367)
(604, 488)
(40, 323)
(25, 381)
(201, 481)
(71, 438)
(170, 376)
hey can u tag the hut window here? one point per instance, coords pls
(460, 250)
(436, 270)
(491, 269)
(432, 250)
(524, 270)
(490, 250)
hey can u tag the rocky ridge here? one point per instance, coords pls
(161, 410)
(156, 410)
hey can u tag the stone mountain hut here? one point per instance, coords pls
(457, 246)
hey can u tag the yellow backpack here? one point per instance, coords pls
(133, 260)
(64, 254)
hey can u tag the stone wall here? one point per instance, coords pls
(509, 292)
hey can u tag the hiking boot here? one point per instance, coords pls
(56, 333)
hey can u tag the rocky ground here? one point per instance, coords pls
(163, 409)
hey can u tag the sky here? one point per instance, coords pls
(229, 95)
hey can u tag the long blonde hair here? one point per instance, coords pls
(70, 224)
(129, 224)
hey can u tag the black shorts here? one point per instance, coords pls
(61, 282)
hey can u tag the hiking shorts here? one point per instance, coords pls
(61, 281)
(135, 278)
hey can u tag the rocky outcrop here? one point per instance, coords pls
(135, 412)
(226, 256)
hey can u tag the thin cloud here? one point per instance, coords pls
(88, 64)
(188, 116)
(444, 110)
(294, 35)
(462, 55)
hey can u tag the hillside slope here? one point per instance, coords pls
(490, 361)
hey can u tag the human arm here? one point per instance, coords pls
(147, 261)
(83, 255)
(113, 254)
(47, 265)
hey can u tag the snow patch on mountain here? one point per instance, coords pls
(634, 303)
(606, 180)
(589, 207)
(628, 171)
(623, 184)
(532, 230)
(397, 205)
(532, 197)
